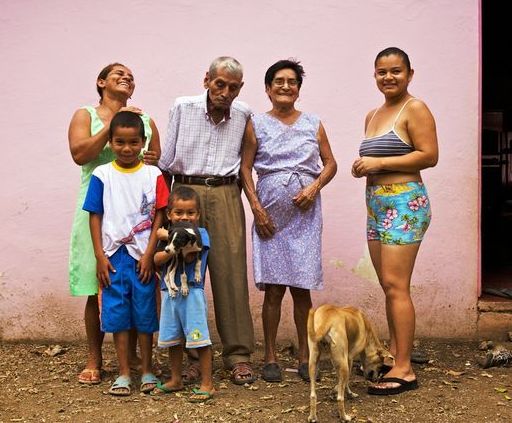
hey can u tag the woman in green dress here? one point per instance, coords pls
(88, 144)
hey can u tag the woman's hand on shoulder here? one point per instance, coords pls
(133, 109)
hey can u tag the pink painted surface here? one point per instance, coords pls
(52, 52)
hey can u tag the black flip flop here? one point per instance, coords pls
(404, 385)
(271, 372)
(303, 371)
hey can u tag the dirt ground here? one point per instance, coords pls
(38, 386)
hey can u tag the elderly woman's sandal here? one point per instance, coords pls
(271, 372)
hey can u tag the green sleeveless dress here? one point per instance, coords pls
(82, 263)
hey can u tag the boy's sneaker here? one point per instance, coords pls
(498, 357)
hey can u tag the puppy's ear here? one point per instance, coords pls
(387, 358)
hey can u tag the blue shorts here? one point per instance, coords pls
(127, 303)
(397, 213)
(184, 320)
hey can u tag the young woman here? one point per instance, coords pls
(400, 141)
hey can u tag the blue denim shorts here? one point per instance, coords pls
(184, 320)
(397, 213)
(127, 303)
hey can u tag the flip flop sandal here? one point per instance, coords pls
(192, 374)
(242, 373)
(148, 382)
(271, 372)
(200, 396)
(122, 387)
(303, 371)
(403, 386)
(161, 389)
(90, 376)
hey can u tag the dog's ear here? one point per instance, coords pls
(387, 358)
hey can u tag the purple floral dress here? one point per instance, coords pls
(287, 160)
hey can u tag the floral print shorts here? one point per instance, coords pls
(397, 213)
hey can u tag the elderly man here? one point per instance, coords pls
(202, 150)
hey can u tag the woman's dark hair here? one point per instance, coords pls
(103, 75)
(294, 65)
(394, 50)
(126, 119)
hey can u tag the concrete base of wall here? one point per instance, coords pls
(494, 319)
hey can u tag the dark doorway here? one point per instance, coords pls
(496, 151)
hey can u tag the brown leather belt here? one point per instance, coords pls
(209, 181)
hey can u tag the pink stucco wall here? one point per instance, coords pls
(53, 50)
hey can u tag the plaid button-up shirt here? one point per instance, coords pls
(196, 146)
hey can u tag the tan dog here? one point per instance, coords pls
(347, 333)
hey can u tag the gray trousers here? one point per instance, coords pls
(222, 214)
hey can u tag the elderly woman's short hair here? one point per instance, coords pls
(294, 65)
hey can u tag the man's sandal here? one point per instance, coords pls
(242, 373)
(90, 376)
(191, 374)
(122, 387)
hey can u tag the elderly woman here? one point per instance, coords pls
(285, 147)
(400, 141)
(88, 143)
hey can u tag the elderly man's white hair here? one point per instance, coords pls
(232, 65)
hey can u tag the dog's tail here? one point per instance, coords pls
(318, 334)
(311, 325)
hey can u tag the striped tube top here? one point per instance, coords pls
(388, 144)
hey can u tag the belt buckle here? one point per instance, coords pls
(209, 184)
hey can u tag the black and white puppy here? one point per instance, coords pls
(184, 238)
